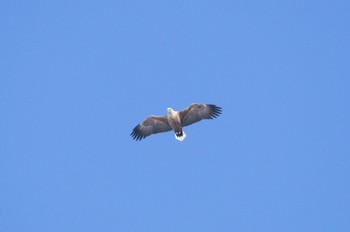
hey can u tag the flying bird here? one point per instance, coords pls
(175, 120)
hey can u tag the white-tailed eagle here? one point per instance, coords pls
(175, 120)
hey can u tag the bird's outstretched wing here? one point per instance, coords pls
(197, 112)
(151, 125)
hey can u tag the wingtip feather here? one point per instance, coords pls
(215, 111)
(136, 133)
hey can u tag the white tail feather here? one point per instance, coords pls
(181, 138)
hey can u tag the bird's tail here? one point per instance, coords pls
(180, 135)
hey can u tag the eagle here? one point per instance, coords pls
(175, 120)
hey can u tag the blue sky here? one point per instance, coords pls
(77, 76)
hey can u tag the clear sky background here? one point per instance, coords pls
(77, 76)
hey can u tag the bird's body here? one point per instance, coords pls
(175, 120)
(175, 123)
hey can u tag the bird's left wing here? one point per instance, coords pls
(197, 112)
(151, 125)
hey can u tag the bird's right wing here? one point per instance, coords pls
(196, 112)
(151, 125)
